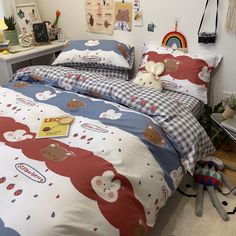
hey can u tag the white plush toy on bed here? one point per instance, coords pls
(150, 77)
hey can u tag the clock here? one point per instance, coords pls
(25, 40)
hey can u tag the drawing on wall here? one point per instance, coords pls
(27, 15)
(100, 16)
(138, 19)
(123, 16)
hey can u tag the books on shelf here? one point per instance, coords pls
(54, 127)
(230, 124)
(4, 45)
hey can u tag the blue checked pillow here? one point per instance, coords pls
(105, 54)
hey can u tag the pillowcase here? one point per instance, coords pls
(94, 53)
(185, 73)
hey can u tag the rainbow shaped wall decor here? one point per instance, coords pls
(175, 40)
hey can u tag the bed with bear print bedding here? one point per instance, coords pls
(123, 158)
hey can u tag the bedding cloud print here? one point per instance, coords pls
(86, 171)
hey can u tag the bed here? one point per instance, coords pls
(126, 153)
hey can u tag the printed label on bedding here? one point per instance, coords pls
(30, 172)
(94, 128)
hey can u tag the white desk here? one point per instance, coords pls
(7, 61)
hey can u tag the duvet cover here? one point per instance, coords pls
(123, 158)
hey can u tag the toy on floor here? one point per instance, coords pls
(208, 174)
(150, 77)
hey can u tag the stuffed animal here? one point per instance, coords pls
(208, 174)
(150, 77)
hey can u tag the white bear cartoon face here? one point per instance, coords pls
(105, 187)
(111, 115)
(45, 95)
(204, 74)
(16, 136)
(176, 176)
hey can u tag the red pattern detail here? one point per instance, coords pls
(10, 186)
(133, 98)
(18, 192)
(2, 180)
(188, 68)
(153, 108)
(81, 168)
(143, 102)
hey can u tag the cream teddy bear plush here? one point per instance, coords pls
(150, 77)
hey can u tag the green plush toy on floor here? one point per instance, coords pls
(208, 174)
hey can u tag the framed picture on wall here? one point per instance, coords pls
(26, 16)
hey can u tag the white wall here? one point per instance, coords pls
(6, 6)
(163, 14)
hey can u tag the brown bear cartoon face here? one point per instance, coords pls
(171, 65)
(123, 15)
(56, 153)
(123, 50)
(153, 136)
(75, 104)
(21, 84)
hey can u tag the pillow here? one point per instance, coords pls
(95, 53)
(185, 73)
(111, 72)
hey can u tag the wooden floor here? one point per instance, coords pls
(229, 157)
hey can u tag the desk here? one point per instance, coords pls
(218, 118)
(8, 61)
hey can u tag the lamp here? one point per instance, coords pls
(2, 27)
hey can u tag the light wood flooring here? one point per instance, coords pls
(228, 157)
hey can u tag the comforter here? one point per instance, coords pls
(122, 160)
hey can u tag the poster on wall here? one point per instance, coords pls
(100, 16)
(138, 19)
(123, 16)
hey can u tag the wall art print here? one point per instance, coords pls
(123, 16)
(100, 16)
(27, 15)
(138, 18)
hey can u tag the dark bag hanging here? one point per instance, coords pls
(204, 37)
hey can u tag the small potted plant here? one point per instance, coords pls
(10, 33)
(230, 109)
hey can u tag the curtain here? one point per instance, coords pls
(6, 7)
(230, 24)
